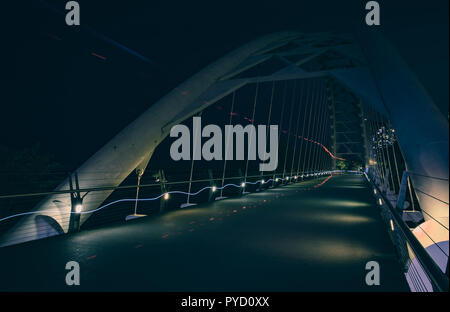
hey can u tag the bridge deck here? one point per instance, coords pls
(292, 238)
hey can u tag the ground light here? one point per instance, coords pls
(380, 201)
(243, 184)
(214, 188)
(374, 191)
(392, 225)
(166, 196)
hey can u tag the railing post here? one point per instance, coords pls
(162, 181)
(402, 192)
(135, 215)
(76, 205)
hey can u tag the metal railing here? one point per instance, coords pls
(154, 198)
(433, 274)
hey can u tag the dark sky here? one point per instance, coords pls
(72, 90)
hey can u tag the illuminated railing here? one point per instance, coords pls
(112, 212)
(432, 278)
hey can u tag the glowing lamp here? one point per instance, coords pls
(78, 208)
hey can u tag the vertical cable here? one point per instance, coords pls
(313, 127)
(380, 126)
(192, 165)
(396, 164)
(225, 159)
(268, 119)
(281, 123)
(309, 127)
(296, 131)
(302, 138)
(289, 127)
(250, 138)
(321, 153)
(320, 130)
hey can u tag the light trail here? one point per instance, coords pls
(287, 132)
(95, 33)
(149, 199)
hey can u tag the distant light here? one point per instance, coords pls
(380, 201)
(78, 208)
(262, 181)
(296, 177)
(166, 196)
(214, 188)
(392, 225)
(374, 191)
(276, 180)
(287, 178)
(243, 184)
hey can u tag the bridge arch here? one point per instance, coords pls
(367, 65)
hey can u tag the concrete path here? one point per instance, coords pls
(292, 238)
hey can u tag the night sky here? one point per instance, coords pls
(72, 90)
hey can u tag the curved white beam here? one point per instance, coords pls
(132, 146)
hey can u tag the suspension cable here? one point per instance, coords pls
(269, 118)
(303, 126)
(252, 122)
(309, 125)
(192, 163)
(313, 127)
(289, 127)
(319, 130)
(226, 144)
(320, 156)
(283, 104)
(296, 131)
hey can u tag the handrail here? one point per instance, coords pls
(439, 280)
(106, 188)
(262, 181)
